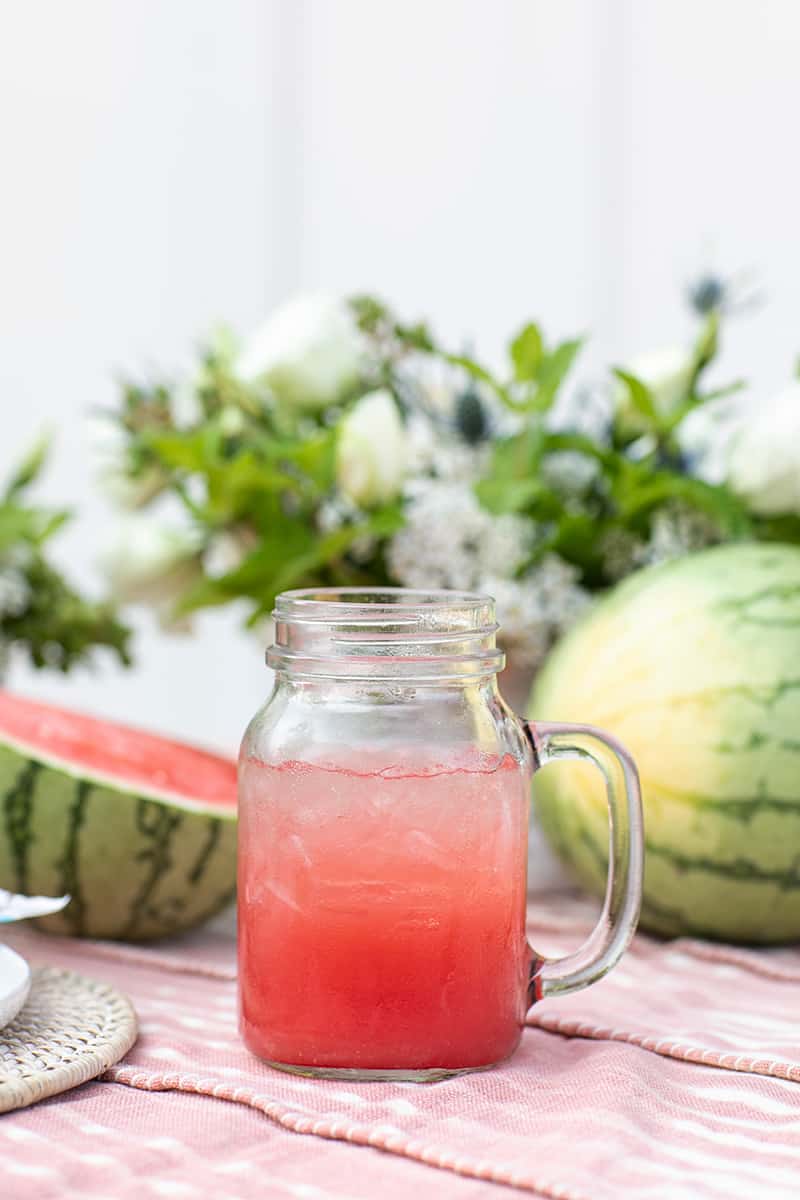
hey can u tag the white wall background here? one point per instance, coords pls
(166, 164)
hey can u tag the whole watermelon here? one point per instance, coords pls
(695, 666)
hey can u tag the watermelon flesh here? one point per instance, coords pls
(140, 830)
(119, 753)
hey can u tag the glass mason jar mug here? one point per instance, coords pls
(383, 820)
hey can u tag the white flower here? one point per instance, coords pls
(667, 373)
(336, 511)
(449, 541)
(423, 445)
(506, 543)
(534, 610)
(706, 434)
(228, 551)
(439, 383)
(309, 351)
(764, 459)
(677, 530)
(372, 452)
(524, 629)
(569, 472)
(585, 410)
(432, 453)
(231, 421)
(622, 553)
(150, 563)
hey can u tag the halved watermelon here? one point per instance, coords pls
(139, 830)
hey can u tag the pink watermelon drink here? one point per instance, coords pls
(382, 912)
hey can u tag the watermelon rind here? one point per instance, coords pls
(695, 666)
(139, 863)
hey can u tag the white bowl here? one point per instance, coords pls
(15, 983)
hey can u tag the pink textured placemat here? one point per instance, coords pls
(677, 1076)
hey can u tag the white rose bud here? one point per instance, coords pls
(372, 453)
(667, 373)
(309, 352)
(764, 458)
(152, 564)
(706, 435)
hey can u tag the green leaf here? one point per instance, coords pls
(697, 401)
(314, 456)
(184, 451)
(235, 486)
(51, 522)
(29, 469)
(302, 568)
(707, 344)
(28, 525)
(385, 521)
(526, 353)
(376, 319)
(519, 456)
(554, 370)
(578, 538)
(369, 312)
(238, 479)
(658, 487)
(555, 442)
(640, 396)
(779, 529)
(147, 407)
(507, 495)
(415, 337)
(57, 628)
(540, 395)
(288, 555)
(18, 524)
(286, 540)
(730, 389)
(475, 370)
(53, 624)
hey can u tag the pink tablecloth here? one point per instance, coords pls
(677, 1076)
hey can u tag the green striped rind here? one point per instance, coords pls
(696, 668)
(136, 867)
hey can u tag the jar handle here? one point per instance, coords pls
(617, 922)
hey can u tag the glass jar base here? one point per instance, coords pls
(356, 1075)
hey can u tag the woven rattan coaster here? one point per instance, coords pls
(71, 1029)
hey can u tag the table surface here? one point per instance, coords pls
(677, 1076)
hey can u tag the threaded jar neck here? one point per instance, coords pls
(391, 634)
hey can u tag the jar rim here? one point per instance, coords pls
(340, 598)
(385, 632)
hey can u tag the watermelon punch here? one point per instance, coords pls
(139, 830)
(384, 790)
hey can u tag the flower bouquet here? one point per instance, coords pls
(343, 446)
